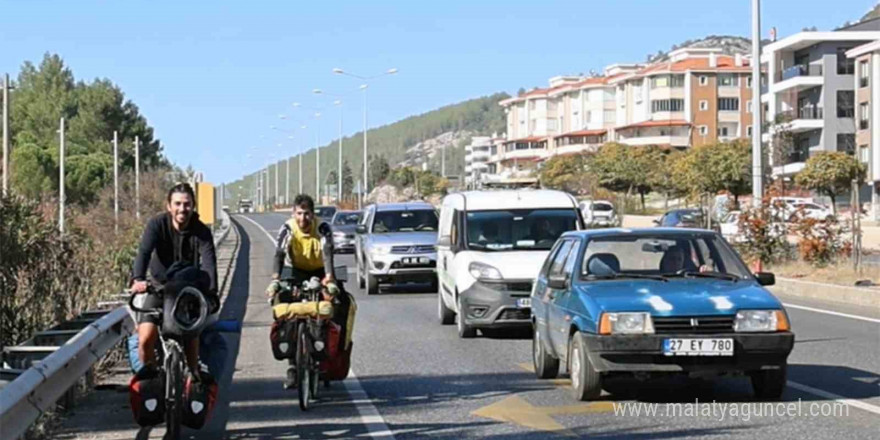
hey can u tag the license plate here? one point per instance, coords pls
(523, 303)
(415, 260)
(698, 347)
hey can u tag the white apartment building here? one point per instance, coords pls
(476, 156)
(867, 115)
(811, 89)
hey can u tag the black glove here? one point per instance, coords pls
(213, 303)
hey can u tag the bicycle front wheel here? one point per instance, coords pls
(303, 366)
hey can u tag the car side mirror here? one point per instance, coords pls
(656, 222)
(444, 241)
(361, 229)
(557, 281)
(765, 278)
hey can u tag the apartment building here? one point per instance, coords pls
(810, 90)
(698, 96)
(866, 114)
(476, 156)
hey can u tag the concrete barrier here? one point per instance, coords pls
(860, 296)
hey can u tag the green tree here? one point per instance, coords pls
(567, 173)
(625, 169)
(347, 180)
(378, 170)
(831, 174)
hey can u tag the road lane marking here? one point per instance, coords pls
(370, 417)
(837, 398)
(830, 312)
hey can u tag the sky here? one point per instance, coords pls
(212, 77)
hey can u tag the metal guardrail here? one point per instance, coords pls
(47, 365)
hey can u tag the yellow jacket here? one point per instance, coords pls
(304, 248)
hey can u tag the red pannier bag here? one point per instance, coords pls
(338, 361)
(147, 399)
(199, 399)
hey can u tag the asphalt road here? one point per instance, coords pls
(419, 379)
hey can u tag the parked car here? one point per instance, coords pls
(730, 227)
(682, 218)
(324, 213)
(490, 246)
(599, 214)
(396, 243)
(808, 210)
(656, 301)
(344, 225)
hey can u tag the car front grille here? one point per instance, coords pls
(693, 324)
(515, 314)
(418, 249)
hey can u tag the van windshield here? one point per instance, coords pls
(518, 229)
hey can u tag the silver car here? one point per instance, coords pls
(396, 243)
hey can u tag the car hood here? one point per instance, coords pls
(513, 265)
(679, 297)
(348, 229)
(405, 238)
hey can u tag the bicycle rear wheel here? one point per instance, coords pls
(303, 366)
(173, 394)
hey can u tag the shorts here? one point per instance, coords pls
(151, 301)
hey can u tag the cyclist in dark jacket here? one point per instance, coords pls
(173, 239)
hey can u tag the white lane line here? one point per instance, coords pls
(837, 398)
(370, 417)
(830, 312)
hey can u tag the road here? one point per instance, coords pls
(414, 378)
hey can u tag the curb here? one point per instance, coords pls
(859, 296)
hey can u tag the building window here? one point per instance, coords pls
(864, 153)
(845, 65)
(864, 73)
(704, 130)
(677, 81)
(667, 105)
(846, 143)
(704, 80)
(749, 81)
(728, 104)
(659, 81)
(637, 90)
(551, 124)
(728, 80)
(749, 106)
(749, 131)
(589, 117)
(845, 103)
(704, 105)
(531, 105)
(722, 131)
(864, 115)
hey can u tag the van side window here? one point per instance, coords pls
(453, 231)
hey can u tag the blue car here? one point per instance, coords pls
(656, 301)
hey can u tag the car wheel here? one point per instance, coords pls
(546, 366)
(769, 384)
(465, 331)
(372, 284)
(447, 316)
(586, 382)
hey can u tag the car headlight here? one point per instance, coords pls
(760, 321)
(339, 235)
(626, 323)
(482, 271)
(381, 250)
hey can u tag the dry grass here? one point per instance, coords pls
(841, 273)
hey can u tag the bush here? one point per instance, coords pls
(821, 242)
(764, 235)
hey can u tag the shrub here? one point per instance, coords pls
(764, 234)
(821, 242)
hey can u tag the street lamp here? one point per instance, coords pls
(363, 87)
(339, 164)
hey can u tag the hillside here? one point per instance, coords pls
(411, 141)
(730, 45)
(873, 13)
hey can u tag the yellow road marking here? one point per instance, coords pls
(516, 410)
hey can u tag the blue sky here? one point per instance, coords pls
(212, 77)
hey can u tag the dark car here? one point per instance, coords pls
(656, 301)
(325, 213)
(682, 218)
(344, 226)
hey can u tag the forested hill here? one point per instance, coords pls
(479, 116)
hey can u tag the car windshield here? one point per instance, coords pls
(325, 211)
(518, 229)
(602, 207)
(405, 221)
(346, 218)
(667, 255)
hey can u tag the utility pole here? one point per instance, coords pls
(287, 184)
(366, 179)
(6, 134)
(339, 171)
(317, 159)
(757, 156)
(115, 181)
(443, 161)
(275, 202)
(61, 195)
(137, 177)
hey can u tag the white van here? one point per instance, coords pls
(490, 247)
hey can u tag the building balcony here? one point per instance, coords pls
(672, 141)
(804, 119)
(799, 77)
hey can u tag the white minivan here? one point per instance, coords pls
(490, 247)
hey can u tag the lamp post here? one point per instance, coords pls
(364, 87)
(337, 103)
